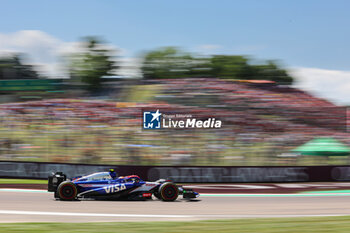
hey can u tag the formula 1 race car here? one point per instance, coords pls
(105, 185)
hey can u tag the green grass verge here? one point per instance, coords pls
(308, 224)
(22, 181)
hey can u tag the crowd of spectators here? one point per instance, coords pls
(260, 122)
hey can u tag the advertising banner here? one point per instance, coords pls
(184, 174)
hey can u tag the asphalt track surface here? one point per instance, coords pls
(235, 188)
(40, 206)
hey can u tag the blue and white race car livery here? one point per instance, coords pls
(105, 185)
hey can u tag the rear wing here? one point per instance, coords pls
(54, 180)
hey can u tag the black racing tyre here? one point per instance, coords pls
(168, 192)
(67, 191)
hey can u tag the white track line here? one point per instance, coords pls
(17, 212)
(23, 190)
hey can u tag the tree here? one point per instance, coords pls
(271, 71)
(238, 67)
(232, 67)
(94, 62)
(170, 62)
(12, 67)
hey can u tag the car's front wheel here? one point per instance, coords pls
(168, 192)
(67, 191)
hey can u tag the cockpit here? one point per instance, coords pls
(129, 179)
(132, 179)
(96, 176)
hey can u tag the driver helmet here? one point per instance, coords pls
(112, 173)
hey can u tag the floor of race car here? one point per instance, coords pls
(40, 206)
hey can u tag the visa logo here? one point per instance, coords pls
(114, 188)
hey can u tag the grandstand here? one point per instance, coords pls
(260, 121)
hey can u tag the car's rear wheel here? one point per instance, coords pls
(168, 192)
(67, 191)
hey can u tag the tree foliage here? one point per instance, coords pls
(224, 66)
(94, 62)
(12, 67)
(170, 62)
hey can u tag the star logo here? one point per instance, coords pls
(152, 119)
(156, 115)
